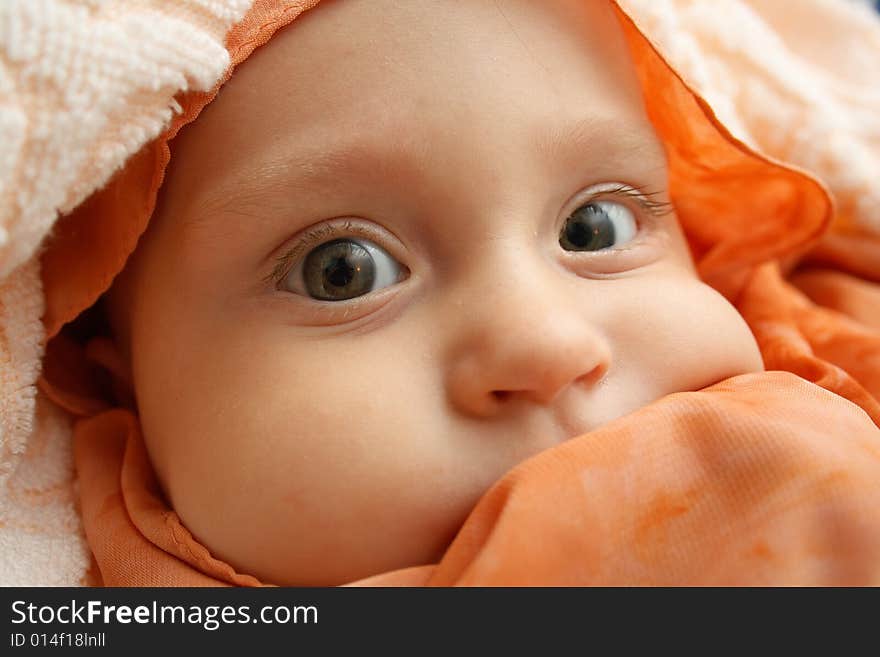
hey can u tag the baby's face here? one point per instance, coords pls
(410, 245)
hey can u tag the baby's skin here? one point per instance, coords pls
(409, 245)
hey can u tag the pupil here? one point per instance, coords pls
(588, 229)
(339, 273)
(338, 270)
(578, 233)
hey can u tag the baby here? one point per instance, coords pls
(409, 246)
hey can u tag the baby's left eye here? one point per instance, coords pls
(598, 225)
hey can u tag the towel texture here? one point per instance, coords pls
(84, 86)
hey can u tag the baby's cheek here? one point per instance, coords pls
(724, 334)
(675, 334)
(321, 451)
(684, 336)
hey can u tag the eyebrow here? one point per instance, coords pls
(251, 182)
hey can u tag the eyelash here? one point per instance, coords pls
(314, 236)
(323, 232)
(640, 195)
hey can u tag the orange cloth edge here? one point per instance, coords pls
(124, 514)
(689, 122)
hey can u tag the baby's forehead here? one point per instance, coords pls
(355, 59)
(360, 84)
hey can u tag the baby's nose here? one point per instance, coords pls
(517, 348)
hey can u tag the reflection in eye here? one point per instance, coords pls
(598, 225)
(344, 269)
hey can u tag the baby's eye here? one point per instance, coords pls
(343, 269)
(598, 225)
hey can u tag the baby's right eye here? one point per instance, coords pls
(343, 269)
(597, 226)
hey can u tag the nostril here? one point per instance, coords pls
(596, 375)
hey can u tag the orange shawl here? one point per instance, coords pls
(770, 478)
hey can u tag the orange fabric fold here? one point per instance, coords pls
(762, 479)
(738, 208)
(136, 539)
